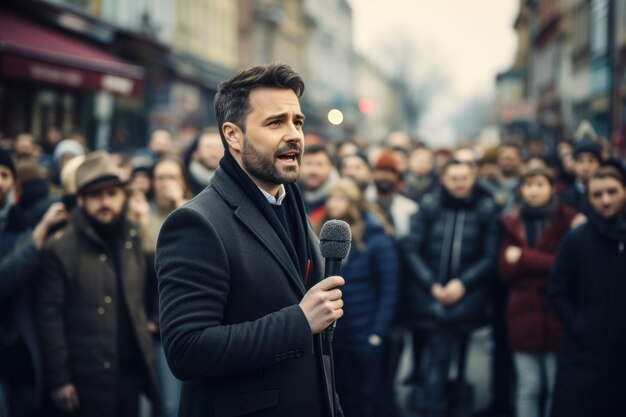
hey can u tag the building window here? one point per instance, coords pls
(599, 26)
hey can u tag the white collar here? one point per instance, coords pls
(282, 192)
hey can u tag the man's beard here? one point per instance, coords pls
(263, 166)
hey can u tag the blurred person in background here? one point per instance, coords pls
(21, 375)
(24, 147)
(68, 183)
(371, 291)
(511, 164)
(531, 235)
(587, 288)
(160, 145)
(451, 251)
(422, 176)
(170, 190)
(51, 138)
(34, 192)
(63, 153)
(97, 352)
(564, 158)
(401, 144)
(345, 148)
(357, 168)
(397, 210)
(141, 179)
(203, 157)
(317, 175)
(441, 156)
(587, 159)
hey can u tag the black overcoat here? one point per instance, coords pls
(230, 320)
(587, 287)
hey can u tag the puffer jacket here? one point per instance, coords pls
(452, 238)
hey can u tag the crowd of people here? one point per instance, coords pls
(444, 242)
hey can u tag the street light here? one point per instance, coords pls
(335, 117)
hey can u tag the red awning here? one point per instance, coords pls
(31, 51)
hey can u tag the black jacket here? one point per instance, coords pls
(452, 239)
(230, 321)
(587, 287)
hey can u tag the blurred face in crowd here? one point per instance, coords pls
(347, 149)
(565, 151)
(337, 205)
(402, 159)
(607, 196)
(141, 182)
(585, 166)
(421, 162)
(104, 205)
(386, 181)
(160, 142)
(490, 172)
(210, 150)
(458, 180)
(53, 136)
(536, 191)
(6, 183)
(509, 160)
(357, 169)
(315, 170)
(168, 182)
(24, 146)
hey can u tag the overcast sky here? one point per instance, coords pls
(465, 42)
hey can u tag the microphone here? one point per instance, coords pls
(335, 242)
(335, 239)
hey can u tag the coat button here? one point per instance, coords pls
(128, 244)
(102, 257)
(106, 365)
(101, 310)
(132, 232)
(108, 299)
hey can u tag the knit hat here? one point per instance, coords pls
(68, 147)
(588, 146)
(387, 162)
(7, 161)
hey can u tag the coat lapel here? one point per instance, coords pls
(261, 229)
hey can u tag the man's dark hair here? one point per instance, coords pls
(231, 100)
(454, 162)
(609, 171)
(538, 172)
(315, 149)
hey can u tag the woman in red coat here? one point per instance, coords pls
(531, 236)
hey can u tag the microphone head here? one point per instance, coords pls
(335, 239)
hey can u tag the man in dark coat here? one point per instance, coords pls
(97, 351)
(451, 252)
(242, 300)
(586, 287)
(587, 160)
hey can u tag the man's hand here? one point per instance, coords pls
(65, 398)
(437, 292)
(578, 220)
(512, 254)
(322, 304)
(55, 214)
(454, 291)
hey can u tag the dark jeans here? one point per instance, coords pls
(358, 377)
(439, 347)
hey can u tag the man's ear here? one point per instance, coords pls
(233, 135)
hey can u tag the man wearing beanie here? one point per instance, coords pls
(587, 160)
(97, 351)
(20, 364)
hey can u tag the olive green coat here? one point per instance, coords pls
(77, 313)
